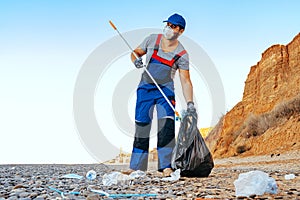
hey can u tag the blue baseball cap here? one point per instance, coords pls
(177, 20)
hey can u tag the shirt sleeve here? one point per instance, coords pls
(144, 45)
(183, 62)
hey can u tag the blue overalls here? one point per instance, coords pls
(147, 97)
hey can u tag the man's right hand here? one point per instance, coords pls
(138, 63)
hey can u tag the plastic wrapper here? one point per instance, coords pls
(116, 178)
(254, 183)
(175, 176)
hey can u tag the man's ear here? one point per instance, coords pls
(181, 31)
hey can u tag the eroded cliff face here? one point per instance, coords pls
(273, 80)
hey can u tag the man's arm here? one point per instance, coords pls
(139, 52)
(186, 84)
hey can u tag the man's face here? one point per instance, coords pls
(175, 28)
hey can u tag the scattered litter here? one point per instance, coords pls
(254, 183)
(101, 192)
(137, 174)
(62, 194)
(175, 176)
(76, 176)
(289, 176)
(91, 175)
(116, 178)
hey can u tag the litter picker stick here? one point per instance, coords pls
(145, 68)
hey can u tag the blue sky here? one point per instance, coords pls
(43, 45)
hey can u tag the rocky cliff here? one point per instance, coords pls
(267, 120)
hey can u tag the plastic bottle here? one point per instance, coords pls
(91, 175)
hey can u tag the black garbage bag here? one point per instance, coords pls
(191, 155)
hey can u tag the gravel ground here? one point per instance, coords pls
(33, 181)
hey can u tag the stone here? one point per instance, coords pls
(18, 186)
(24, 194)
(93, 197)
(33, 195)
(13, 198)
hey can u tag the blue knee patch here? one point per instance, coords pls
(139, 159)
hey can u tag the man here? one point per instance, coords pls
(164, 55)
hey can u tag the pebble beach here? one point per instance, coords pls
(46, 181)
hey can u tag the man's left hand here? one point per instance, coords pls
(191, 107)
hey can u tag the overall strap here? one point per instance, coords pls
(163, 60)
(177, 56)
(156, 47)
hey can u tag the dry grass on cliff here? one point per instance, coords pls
(258, 124)
(214, 134)
(254, 125)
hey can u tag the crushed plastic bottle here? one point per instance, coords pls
(116, 178)
(254, 183)
(289, 176)
(91, 175)
(137, 174)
